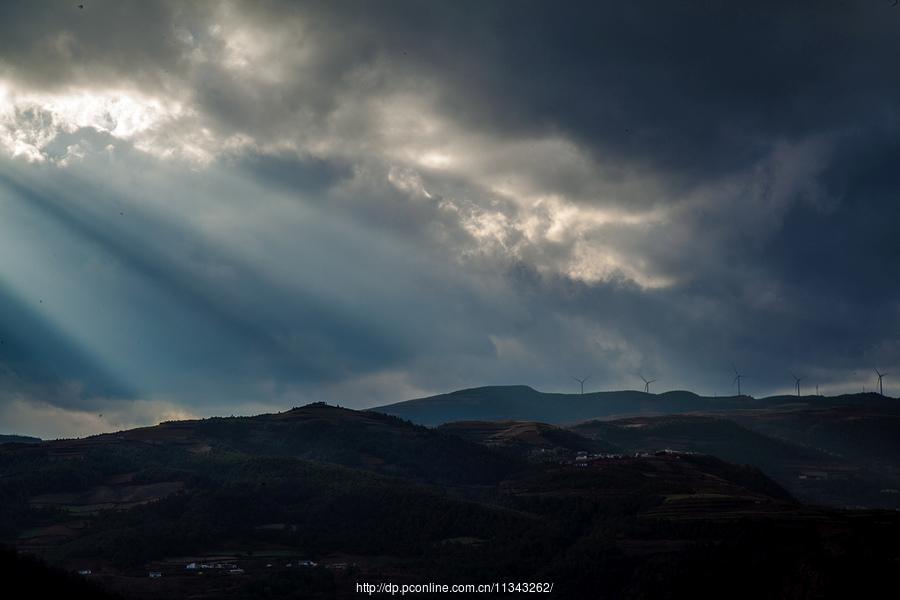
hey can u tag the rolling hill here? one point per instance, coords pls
(523, 403)
(19, 439)
(320, 432)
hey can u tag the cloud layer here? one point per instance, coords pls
(231, 207)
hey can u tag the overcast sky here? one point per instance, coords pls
(217, 208)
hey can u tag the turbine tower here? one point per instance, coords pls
(647, 383)
(737, 379)
(581, 381)
(797, 381)
(880, 376)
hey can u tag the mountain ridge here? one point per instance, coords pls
(524, 403)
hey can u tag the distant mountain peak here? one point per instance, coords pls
(18, 439)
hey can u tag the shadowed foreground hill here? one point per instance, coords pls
(308, 502)
(856, 431)
(695, 433)
(811, 472)
(26, 572)
(528, 439)
(319, 432)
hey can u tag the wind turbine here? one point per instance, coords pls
(647, 383)
(581, 381)
(880, 376)
(737, 379)
(797, 381)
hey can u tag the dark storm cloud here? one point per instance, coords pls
(52, 44)
(692, 88)
(359, 201)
